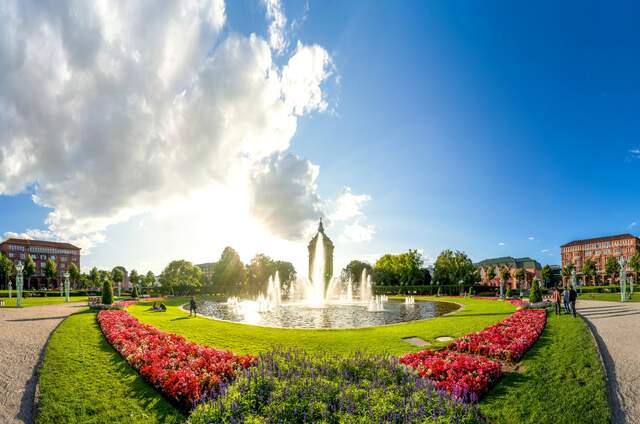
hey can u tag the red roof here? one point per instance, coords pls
(600, 239)
(40, 243)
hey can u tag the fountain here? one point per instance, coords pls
(321, 300)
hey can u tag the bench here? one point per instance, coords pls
(94, 300)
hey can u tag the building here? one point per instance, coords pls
(531, 267)
(207, 270)
(327, 247)
(598, 250)
(63, 254)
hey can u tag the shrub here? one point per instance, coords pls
(107, 293)
(134, 292)
(535, 294)
(470, 291)
(299, 387)
(508, 291)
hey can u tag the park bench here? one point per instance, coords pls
(94, 300)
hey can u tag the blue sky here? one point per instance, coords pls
(497, 128)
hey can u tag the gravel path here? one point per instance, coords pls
(23, 335)
(616, 327)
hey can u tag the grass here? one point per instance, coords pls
(242, 338)
(39, 301)
(611, 297)
(84, 380)
(562, 380)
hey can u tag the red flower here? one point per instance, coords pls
(465, 376)
(183, 371)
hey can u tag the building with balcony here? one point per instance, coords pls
(63, 254)
(530, 266)
(598, 250)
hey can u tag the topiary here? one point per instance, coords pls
(107, 293)
(508, 292)
(535, 294)
(134, 292)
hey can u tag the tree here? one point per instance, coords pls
(258, 272)
(589, 269)
(74, 274)
(535, 294)
(287, 273)
(29, 269)
(490, 272)
(6, 268)
(149, 279)
(229, 272)
(634, 264)
(354, 269)
(85, 280)
(134, 278)
(117, 274)
(107, 292)
(505, 276)
(94, 277)
(452, 267)
(567, 271)
(50, 270)
(521, 276)
(546, 273)
(611, 268)
(181, 276)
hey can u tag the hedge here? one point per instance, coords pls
(432, 289)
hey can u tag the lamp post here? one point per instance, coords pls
(9, 285)
(66, 286)
(19, 268)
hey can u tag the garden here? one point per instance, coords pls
(174, 368)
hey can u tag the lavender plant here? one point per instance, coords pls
(293, 386)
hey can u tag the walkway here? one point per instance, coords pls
(616, 327)
(23, 335)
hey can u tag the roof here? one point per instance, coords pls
(600, 239)
(40, 243)
(524, 262)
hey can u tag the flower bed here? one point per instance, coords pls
(185, 372)
(300, 387)
(466, 377)
(507, 340)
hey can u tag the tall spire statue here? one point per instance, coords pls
(328, 253)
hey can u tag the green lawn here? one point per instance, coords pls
(84, 380)
(561, 380)
(612, 297)
(38, 301)
(242, 338)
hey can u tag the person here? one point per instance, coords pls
(556, 300)
(573, 295)
(192, 307)
(162, 307)
(565, 298)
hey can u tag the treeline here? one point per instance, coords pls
(230, 275)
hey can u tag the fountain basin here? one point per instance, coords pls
(332, 315)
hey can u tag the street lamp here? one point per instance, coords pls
(19, 268)
(66, 286)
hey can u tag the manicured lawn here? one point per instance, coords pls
(84, 380)
(611, 297)
(38, 301)
(241, 338)
(561, 380)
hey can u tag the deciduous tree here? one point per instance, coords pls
(181, 276)
(452, 267)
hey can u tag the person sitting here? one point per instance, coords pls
(162, 308)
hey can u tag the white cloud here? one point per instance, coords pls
(531, 238)
(635, 152)
(501, 243)
(114, 111)
(633, 224)
(349, 205)
(277, 27)
(357, 232)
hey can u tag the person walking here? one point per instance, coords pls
(555, 297)
(565, 299)
(192, 307)
(573, 296)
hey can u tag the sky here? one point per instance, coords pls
(146, 132)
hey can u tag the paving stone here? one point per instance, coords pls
(416, 341)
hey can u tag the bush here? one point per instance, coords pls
(134, 292)
(535, 294)
(470, 291)
(107, 293)
(508, 291)
(299, 387)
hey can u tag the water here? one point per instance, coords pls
(332, 315)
